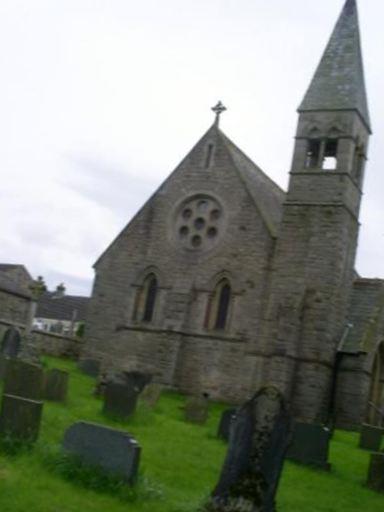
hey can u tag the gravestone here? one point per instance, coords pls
(56, 385)
(23, 379)
(119, 399)
(11, 343)
(310, 445)
(122, 391)
(101, 384)
(90, 367)
(196, 409)
(255, 457)
(20, 418)
(376, 472)
(226, 422)
(112, 450)
(151, 394)
(371, 437)
(3, 364)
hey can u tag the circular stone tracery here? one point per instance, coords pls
(198, 223)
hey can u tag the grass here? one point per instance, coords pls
(179, 466)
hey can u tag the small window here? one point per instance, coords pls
(313, 153)
(218, 307)
(330, 155)
(146, 299)
(209, 156)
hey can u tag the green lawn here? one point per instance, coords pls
(179, 466)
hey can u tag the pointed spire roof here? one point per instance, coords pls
(338, 83)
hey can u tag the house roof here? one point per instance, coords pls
(338, 83)
(61, 307)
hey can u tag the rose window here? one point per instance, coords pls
(199, 222)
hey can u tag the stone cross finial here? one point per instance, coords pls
(218, 110)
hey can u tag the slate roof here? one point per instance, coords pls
(365, 315)
(8, 285)
(338, 83)
(61, 308)
(267, 195)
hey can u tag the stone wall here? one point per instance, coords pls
(57, 345)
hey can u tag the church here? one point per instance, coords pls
(223, 282)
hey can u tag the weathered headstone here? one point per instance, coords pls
(114, 451)
(120, 399)
(90, 367)
(255, 457)
(226, 422)
(20, 418)
(151, 394)
(56, 385)
(196, 409)
(3, 364)
(138, 380)
(23, 379)
(376, 472)
(371, 437)
(310, 445)
(11, 343)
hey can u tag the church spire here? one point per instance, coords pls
(338, 83)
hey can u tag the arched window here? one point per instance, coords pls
(219, 306)
(150, 297)
(146, 299)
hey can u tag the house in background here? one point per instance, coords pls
(60, 313)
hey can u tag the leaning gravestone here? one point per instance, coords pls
(310, 445)
(20, 418)
(23, 379)
(10, 346)
(371, 437)
(226, 422)
(121, 393)
(114, 451)
(56, 385)
(196, 409)
(151, 394)
(90, 367)
(376, 472)
(255, 457)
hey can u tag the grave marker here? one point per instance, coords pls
(20, 418)
(11, 343)
(112, 450)
(23, 379)
(310, 445)
(371, 437)
(255, 457)
(56, 385)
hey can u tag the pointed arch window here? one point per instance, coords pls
(146, 299)
(219, 306)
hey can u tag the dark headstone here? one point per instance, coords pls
(255, 457)
(310, 445)
(226, 421)
(138, 380)
(20, 418)
(151, 394)
(120, 400)
(56, 385)
(376, 472)
(90, 367)
(11, 343)
(371, 437)
(196, 409)
(112, 450)
(23, 379)
(3, 364)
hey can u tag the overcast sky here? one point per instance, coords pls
(100, 100)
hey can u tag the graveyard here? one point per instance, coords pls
(179, 465)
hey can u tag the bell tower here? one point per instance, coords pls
(315, 252)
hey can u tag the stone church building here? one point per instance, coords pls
(223, 282)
